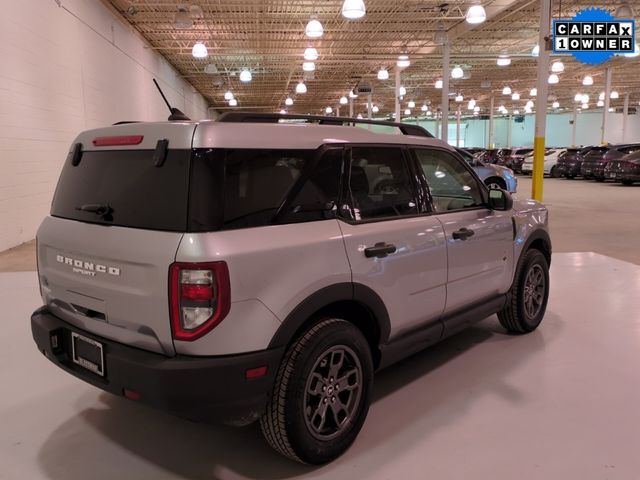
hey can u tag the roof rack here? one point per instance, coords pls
(253, 117)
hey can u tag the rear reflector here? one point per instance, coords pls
(131, 394)
(255, 372)
(118, 140)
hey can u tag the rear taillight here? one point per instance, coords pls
(199, 298)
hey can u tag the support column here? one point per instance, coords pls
(491, 110)
(509, 125)
(397, 95)
(541, 100)
(369, 106)
(445, 91)
(625, 117)
(574, 122)
(338, 111)
(350, 107)
(437, 112)
(607, 102)
(458, 113)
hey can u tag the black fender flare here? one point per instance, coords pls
(538, 234)
(338, 292)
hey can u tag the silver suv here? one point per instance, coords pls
(263, 267)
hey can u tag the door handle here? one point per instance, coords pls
(463, 234)
(380, 250)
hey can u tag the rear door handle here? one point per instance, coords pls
(380, 250)
(463, 234)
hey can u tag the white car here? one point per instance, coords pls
(550, 160)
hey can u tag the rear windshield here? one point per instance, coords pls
(125, 188)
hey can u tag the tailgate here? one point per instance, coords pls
(110, 281)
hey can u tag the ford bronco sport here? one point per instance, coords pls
(263, 267)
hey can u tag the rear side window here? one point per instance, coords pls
(243, 188)
(125, 188)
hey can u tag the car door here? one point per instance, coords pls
(395, 246)
(479, 240)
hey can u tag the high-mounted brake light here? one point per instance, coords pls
(199, 298)
(118, 140)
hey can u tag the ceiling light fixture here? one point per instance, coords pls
(600, 103)
(411, 104)
(506, 90)
(310, 54)
(457, 72)
(587, 80)
(557, 67)
(407, 112)
(459, 98)
(535, 51)
(471, 105)
(424, 108)
(585, 98)
(515, 96)
(199, 50)
(301, 88)
(614, 95)
(578, 97)
(440, 36)
(245, 76)
(375, 109)
(383, 74)
(228, 95)
(314, 28)
(233, 102)
(344, 100)
(403, 61)
(353, 9)
(308, 66)
(352, 94)
(402, 91)
(503, 60)
(601, 96)
(555, 104)
(328, 110)
(585, 106)
(438, 84)
(533, 92)
(476, 109)
(553, 79)
(288, 101)
(516, 112)
(282, 111)
(359, 117)
(476, 14)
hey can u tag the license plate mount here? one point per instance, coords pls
(87, 353)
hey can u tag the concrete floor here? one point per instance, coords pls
(585, 217)
(560, 403)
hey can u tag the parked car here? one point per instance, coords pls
(244, 269)
(550, 160)
(474, 150)
(489, 155)
(615, 152)
(570, 161)
(591, 159)
(626, 170)
(513, 158)
(494, 176)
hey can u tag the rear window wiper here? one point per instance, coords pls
(103, 210)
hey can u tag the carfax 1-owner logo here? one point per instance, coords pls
(594, 36)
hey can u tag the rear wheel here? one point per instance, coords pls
(569, 177)
(627, 182)
(529, 294)
(321, 394)
(495, 183)
(554, 172)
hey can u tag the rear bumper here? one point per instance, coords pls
(210, 389)
(569, 170)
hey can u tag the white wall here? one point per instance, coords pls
(62, 70)
(558, 131)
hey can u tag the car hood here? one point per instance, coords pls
(528, 205)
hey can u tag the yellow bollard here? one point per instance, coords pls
(538, 168)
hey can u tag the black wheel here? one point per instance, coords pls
(529, 294)
(569, 177)
(321, 394)
(495, 182)
(598, 179)
(627, 182)
(554, 172)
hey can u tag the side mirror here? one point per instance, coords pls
(500, 199)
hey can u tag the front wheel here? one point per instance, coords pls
(529, 294)
(321, 394)
(554, 172)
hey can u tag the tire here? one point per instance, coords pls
(627, 182)
(598, 179)
(495, 182)
(306, 380)
(554, 172)
(569, 177)
(521, 315)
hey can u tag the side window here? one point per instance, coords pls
(452, 186)
(379, 184)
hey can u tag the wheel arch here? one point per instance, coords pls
(353, 302)
(539, 240)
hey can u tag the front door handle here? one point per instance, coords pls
(380, 250)
(463, 234)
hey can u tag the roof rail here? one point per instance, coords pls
(254, 117)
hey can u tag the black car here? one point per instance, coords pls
(616, 152)
(569, 162)
(591, 159)
(625, 170)
(513, 158)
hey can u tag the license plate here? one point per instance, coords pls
(87, 353)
